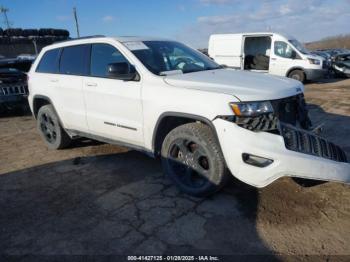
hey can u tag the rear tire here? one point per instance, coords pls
(297, 75)
(192, 158)
(50, 128)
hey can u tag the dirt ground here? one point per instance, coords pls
(95, 198)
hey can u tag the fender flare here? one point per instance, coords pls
(51, 103)
(183, 115)
(295, 68)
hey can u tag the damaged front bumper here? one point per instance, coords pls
(318, 160)
(306, 142)
(314, 74)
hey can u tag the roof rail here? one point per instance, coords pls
(83, 37)
(89, 36)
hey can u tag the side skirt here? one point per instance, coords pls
(74, 133)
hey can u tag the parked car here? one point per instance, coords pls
(13, 82)
(268, 53)
(334, 51)
(13, 88)
(341, 65)
(200, 119)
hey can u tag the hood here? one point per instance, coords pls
(246, 86)
(314, 56)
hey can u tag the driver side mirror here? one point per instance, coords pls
(123, 71)
(293, 55)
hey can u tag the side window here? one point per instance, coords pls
(283, 49)
(74, 60)
(101, 56)
(49, 62)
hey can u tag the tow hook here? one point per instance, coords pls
(318, 129)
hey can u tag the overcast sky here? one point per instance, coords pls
(191, 21)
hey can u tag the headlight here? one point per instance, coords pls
(314, 61)
(251, 108)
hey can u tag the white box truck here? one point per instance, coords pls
(266, 52)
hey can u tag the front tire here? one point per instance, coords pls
(297, 75)
(50, 129)
(192, 158)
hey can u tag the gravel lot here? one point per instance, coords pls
(100, 199)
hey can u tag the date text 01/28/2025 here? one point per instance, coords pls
(173, 258)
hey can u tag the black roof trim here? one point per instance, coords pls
(83, 37)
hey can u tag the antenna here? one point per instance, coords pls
(76, 20)
(4, 10)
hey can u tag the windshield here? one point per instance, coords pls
(166, 57)
(299, 46)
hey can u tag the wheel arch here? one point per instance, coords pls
(295, 68)
(167, 121)
(41, 100)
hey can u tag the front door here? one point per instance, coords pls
(113, 107)
(281, 58)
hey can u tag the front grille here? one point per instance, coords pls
(13, 89)
(265, 122)
(292, 110)
(302, 141)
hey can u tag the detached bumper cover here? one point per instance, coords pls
(235, 141)
(308, 143)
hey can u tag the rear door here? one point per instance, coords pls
(113, 106)
(69, 97)
(227, 50)
(45, 78)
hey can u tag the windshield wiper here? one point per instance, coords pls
(204, 69)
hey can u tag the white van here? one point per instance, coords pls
(266, 52)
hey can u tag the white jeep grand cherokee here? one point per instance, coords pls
(164, 98)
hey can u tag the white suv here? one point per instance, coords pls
(171, 101)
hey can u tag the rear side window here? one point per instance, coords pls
(101, 56)
(49, 62)
(74, 60)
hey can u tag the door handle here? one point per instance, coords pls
(54, 80)
(91, 84)
(273, 58)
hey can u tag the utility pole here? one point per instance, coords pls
(4, 10)
(76, 20)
